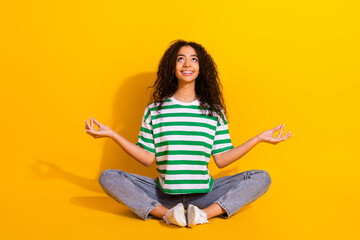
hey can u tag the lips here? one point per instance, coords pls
(187, 72)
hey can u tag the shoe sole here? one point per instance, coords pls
(181, 220)
(193, 216)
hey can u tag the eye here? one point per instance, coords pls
(195, 59)
(180, 58)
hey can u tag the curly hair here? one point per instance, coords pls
(208, 88)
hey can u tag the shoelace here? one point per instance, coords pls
(167, 221)
(203, 218)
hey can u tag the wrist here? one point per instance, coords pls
(258, 139)
(112, 135)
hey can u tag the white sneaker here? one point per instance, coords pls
(176, 216)
(195, 216)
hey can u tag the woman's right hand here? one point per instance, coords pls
(104, 131)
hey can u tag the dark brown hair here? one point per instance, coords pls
(208, 88)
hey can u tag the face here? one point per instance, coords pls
(187, 64)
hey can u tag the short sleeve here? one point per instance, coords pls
(146, 137)
(222, 141)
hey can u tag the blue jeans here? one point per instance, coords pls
(141, 194)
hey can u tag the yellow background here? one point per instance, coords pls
(292, 62)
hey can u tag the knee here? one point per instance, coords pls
(107, 175)
(264, 176)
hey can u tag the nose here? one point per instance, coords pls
(187, 63)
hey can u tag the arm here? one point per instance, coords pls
(228, 157)
(141, 155)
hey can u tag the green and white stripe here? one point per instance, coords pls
(183, 140)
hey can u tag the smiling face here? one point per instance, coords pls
(187, 65)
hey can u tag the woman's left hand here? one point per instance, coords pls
(267, 136)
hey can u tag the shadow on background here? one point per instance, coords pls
(44, 170)
(129, 104)
(104, 204)
(128, 109)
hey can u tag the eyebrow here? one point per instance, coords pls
(184, 55)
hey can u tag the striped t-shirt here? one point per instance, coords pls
(183, 140)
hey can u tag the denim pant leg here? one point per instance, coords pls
(234, 192)
(140, 193)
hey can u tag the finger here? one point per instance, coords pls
(277, 140)
(87, 126)
(277, 128)
(92, 122)
(88, 132)
(281, 130)
(290, 135)
(96, 122)
(286, 135)
(91, 133)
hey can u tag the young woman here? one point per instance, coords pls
(183, 125)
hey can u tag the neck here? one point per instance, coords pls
(185, 93)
